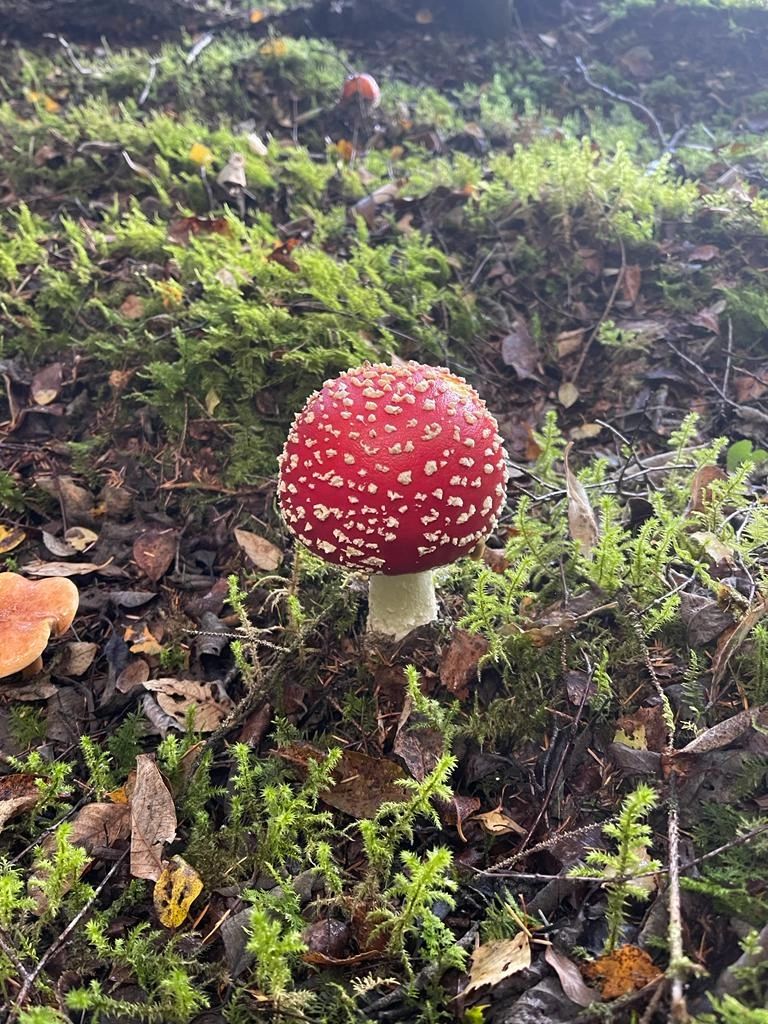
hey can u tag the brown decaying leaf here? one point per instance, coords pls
(727, 732)
(96, 827)
(703, 253)
(582, 522)
(46, 569)
(46, 384)
(459, 664)
(180, 231)
(175, 891)
(569, 342)
(701, 486)
(732, 640)
(520, 351)
(567, 394)
(177, 697)
(493, 962)
(570, 977)
(644, 729)
(132, 307)
(154, 551)
(153, 819)
(261, 552)
(365, 782)
(101, 826)
(134, 674)
(623, 971)
(630, 283)
(76, 659)
(499, 823)
(18, 793)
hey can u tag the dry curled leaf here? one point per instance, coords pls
(76, 658)
(701, 486)
(261, 552)
(567, 394)
(459, 664)
(100, 826)
(582, 522)
(46, 569)
(153, 819)
(499, 823)
(154, 551)
(18, 793)
(206, 702)
(726, 732)
(570, 977)
(46, 384)
(175, 891)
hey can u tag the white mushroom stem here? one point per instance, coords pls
(398, 604)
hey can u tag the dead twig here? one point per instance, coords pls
(665, 144)
(153, 62)
(604, 315)
(679, 965)
(197, 49)
(56, 945)
(67, 48)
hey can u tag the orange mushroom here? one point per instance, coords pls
(30, 612)
(363, 88)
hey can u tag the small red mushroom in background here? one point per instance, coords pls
(363, 89)
(393, 470)
(30, 612)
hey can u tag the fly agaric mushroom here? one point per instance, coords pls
(394, 470)
(30, 611)
(363, 88)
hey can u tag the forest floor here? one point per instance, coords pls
(221, 800)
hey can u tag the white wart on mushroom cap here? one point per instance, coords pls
(393, 469)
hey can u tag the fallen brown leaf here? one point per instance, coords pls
(570, 977)
(18, 793)
(177, 697)
(153, 819)
(154, 551)
(261, 552)
(582, 522)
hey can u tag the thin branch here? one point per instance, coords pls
(604, 315)
(55, 946)
(678, 964)
(665, 144)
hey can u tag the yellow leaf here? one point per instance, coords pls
(345, 149)
(637, 741)
(118, 796)
(256, 16)
(200, 154)
(48, 102)
(176, 890)
(274, 48)
(10, 538)
(494, 962)
(212, 400)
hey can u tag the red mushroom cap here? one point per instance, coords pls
(361, 87)
(393, 469)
